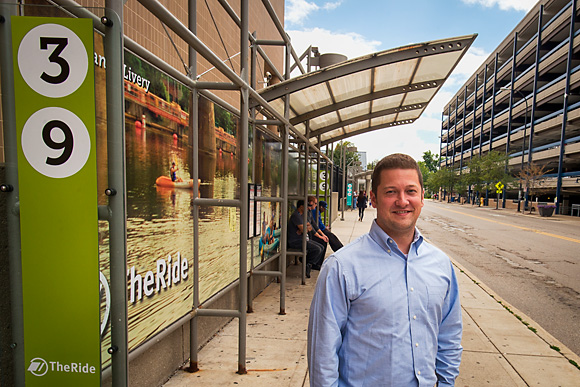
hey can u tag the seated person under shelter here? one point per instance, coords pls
(335, 243)
(316, 233)
(314, 251)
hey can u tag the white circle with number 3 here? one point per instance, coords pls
(52, 60)
(56, 142)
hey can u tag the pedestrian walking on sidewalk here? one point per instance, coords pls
(361, 203)
(386, 307)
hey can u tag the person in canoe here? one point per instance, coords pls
(173, 173)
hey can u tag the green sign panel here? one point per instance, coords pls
(349, 194)
(55, 123)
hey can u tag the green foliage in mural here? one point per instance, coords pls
(225, 120)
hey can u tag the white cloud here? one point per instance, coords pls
(505, 5)
(470, 62)
(299, 10)
(467, 66)
(350, 44)
(331, 6)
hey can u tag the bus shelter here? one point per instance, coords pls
(297, 118)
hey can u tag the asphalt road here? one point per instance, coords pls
(531, 262)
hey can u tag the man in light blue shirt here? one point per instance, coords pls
(386, 308)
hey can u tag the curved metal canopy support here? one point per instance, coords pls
(376, 91)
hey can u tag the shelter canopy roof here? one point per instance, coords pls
(376, 91)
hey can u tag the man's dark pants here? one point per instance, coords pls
(335, 243)
(314, 251)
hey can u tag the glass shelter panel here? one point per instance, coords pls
(351, 86)
(394, 74)
(324, 120)
(313, 97)
(355, 111)
(436, 66)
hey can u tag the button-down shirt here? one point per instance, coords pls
(383, 318)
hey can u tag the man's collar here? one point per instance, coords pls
(387, 243)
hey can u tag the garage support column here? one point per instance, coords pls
(565, 110)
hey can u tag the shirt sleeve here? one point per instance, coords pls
(449, 338)
(321, 225)
(297, 219)
(328, 316)
(312, 222)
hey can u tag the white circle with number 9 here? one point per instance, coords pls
(56, 142)
(52, 60)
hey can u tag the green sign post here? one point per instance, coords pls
(349, 194)
(55, 123)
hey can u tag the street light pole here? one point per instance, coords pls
(523, 148)
(523, 142)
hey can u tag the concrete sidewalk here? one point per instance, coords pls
(502, 346)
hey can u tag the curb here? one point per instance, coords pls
(538, 330)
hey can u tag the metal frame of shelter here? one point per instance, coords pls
(311, 111)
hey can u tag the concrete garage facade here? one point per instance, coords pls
(524, 101)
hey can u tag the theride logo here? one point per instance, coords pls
(38, 366)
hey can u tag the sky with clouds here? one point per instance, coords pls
(359, 27)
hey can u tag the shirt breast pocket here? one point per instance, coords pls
(436, 301)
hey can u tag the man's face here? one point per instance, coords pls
(312, 204)
(398, 200)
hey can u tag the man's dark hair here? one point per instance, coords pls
(299, 203)
(394, 161)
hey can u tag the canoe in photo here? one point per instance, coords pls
(165, 181)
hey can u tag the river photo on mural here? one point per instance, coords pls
(159, 194)
(160, 189)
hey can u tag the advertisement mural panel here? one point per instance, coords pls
(159, 194)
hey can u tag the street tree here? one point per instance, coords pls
(493, 166)
(530, 178)
(431, 161)
(429, 165)
(445, 178)
(474, 177)
(371, 165)
(483, 173)
(350, 157)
